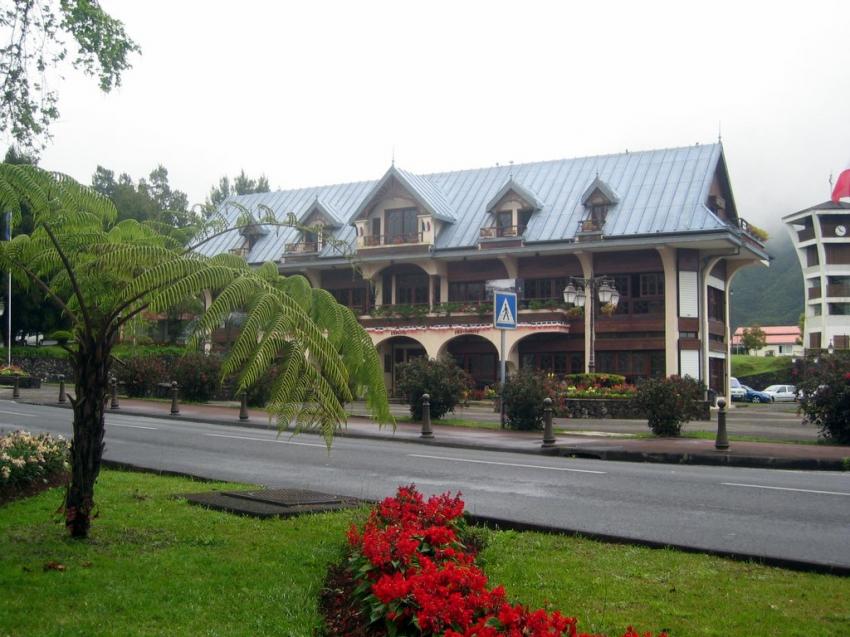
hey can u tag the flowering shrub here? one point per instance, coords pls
(12, 370)
(441, 379)
(824, 381)
(669, 403)
(140, 375)
(415, 575)
(27, 458)
(198, 376)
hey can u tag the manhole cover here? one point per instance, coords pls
(285, 497)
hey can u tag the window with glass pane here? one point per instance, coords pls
(652, 284)
(460, 291)
(411, 289)
(402, 224)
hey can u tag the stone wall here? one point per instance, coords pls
(46, 369)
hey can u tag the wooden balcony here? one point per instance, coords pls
(303, 247)
(385, 240)
(501, 232)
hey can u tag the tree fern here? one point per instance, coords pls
(104, 274)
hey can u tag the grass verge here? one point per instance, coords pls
(158, 566)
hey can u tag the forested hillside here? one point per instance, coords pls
(769, 296)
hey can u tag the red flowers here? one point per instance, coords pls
(416, 576)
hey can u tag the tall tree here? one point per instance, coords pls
(242, 185)
(39, 36)
(104, 273)
(149, 200)
(753, 338)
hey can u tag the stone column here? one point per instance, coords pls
(671, 311)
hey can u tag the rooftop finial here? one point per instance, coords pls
(719, 132)
(511, 162)
(393, 157)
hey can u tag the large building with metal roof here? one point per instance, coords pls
(412, 255)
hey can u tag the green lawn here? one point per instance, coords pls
(158, 566)
(749, 365)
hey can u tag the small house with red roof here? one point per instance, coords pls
(780, 340)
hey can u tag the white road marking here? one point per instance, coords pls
(761, 486)
(115, 424)
(280, 442)
(18, 413)
(504, 464)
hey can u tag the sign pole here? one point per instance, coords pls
(502, 366)
(504, 318)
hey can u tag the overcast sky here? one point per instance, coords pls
(311, 93)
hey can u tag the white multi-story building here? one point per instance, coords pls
(821, 236)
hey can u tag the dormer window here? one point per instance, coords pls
(597, 200)
(511, 208)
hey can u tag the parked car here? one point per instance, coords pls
(754, 396)
(736, 389)
(782, 392)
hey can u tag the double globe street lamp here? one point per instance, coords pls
(579, 291)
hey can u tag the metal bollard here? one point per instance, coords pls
(548, 432)
(427, 432)
(722, 441)
(62, 397)
(16, 389)
(113, 393)
(175, 408)
(243, 406)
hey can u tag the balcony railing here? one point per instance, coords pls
(834, 290)
(304, 247)
(752, 231)
(501, 232)
(805, 234)
(373, 240)
(589, 225)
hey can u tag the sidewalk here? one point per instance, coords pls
(604, 447)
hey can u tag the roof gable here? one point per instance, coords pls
(603, 188)
(511, 185)
(426, 194)
(329, 215)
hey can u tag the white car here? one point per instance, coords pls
(736, 389)
(786, 393)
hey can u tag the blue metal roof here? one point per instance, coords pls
(658, 191)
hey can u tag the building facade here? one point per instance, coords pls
(821, 236)
(412, 256)
(779, 340)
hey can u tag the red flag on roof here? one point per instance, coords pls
(842, 185)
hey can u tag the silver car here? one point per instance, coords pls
(736, 389)
(786, 393)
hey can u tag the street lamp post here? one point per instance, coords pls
(579, 292)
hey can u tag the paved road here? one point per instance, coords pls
(801, 516)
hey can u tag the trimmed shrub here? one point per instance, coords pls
(198, 376)
(141, 375)
(61, 336)
(441, 379)
(825, 402)
(669, 403)
(595, 380)
(523, 395)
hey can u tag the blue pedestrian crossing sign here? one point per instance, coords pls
(504, 310)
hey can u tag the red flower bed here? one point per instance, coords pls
(413, 575)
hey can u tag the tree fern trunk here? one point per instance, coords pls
(92, 384)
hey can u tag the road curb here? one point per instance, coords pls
(595, 453)
(767, 560)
